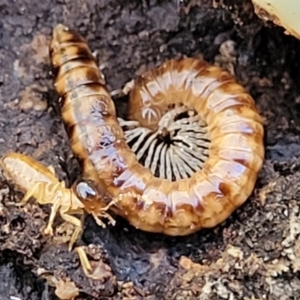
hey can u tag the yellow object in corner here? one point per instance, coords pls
(285, 13)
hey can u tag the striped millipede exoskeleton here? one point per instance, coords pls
(233, 127)
(225, 170)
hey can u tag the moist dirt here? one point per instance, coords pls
(255, 254)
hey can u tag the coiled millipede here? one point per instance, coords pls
(233, 126)
(196, 132)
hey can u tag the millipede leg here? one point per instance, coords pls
(124, 91)
(128, 87)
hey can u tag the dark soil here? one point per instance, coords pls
(255, 254)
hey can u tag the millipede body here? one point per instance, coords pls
(233, 136)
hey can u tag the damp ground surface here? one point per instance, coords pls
(255, 254)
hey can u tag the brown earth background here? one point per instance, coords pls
(255, 254)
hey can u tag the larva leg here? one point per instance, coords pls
(37, 187)
(76, 222)
(54, 209)
(85, 264)
(75, 237)
(51, 169)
